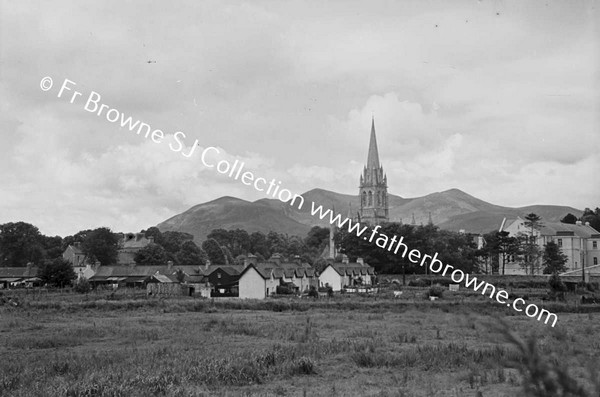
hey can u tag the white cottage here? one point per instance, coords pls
(260, 280)
(340, 275)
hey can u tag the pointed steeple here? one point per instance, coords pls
(373, 158)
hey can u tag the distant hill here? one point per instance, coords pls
(233, 213)
(451, 210)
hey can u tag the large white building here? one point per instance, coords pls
(579, 242)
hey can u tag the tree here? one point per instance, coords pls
(20, 243)
(52, 246)
(172, 241)
(151, 255)
(57, 273)
(320, 265)
(592, 217)
(155, 233)
(569, 218)
(554, 260)
(214, 252)
(316, 240)
(532, 252)
(180, 275)
(259, 245)
(191, 255)
(101, 245)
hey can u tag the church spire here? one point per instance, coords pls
(373, 157)
(374, 207)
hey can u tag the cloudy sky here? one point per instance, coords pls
(500, 99)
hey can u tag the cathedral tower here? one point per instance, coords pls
(373, 187)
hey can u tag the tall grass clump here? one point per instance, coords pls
(543, 375)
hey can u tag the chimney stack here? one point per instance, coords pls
(578, 223)
(170, 265)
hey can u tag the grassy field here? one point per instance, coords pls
(65, 344)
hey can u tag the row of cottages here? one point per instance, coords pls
(24, 276)
(346, 274)
(579, 242)
(259, 280)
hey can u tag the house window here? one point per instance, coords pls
(560, 242)
(594, 244)
(218, 275)
(595, 261)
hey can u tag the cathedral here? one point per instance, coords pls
(372, 191)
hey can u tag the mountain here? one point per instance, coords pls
(233, 213)
(451, 210)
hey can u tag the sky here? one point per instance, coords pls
(500, 99)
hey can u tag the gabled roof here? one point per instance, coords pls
(231, 270)
(352, 269)
(76, 250)
(287, 270)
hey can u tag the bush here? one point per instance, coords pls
(436, 291)
(283, 290)
(556, 284)
(419, 282)
(82, 286)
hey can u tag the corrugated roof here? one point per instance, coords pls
(19, 272)
(162, 278)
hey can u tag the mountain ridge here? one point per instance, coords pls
(451, 209)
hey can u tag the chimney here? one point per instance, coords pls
(578, 223)
(170, 265)
(207, 264)
(250, 260)
(345, 259)
(587, 223)
(360, 260)
(276, 257)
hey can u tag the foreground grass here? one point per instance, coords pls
(345, 347)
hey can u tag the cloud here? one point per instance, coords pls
(498, 99)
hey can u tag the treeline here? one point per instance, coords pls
(457, 249)
(593, 217)
(22, 243)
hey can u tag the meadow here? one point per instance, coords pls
(124, 344)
